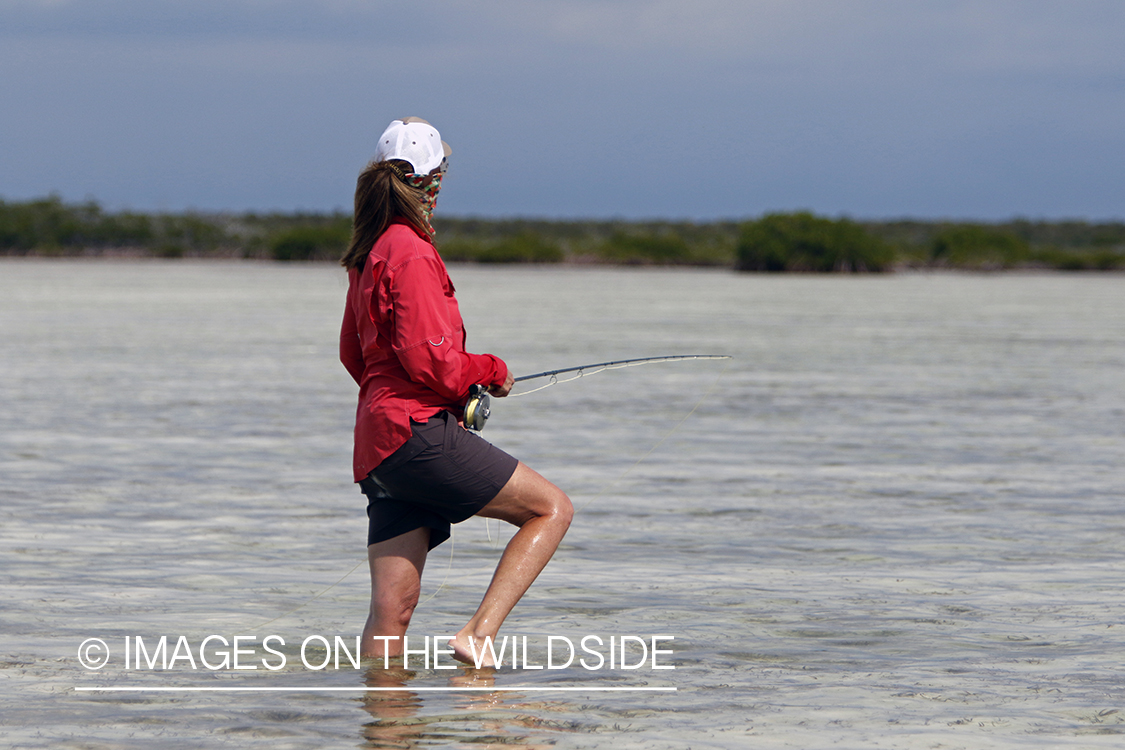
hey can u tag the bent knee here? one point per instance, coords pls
(563, 509)
(553, 506)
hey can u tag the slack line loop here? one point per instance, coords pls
(478, 407)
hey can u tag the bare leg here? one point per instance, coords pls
(542, 512)
(396, 580)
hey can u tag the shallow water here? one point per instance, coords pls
(893, 520)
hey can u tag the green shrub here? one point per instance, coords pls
(190, 231)
(1078, 260)
(804, 242)
(645, 248)
(310, 242)
(48, 225)
(978, 246)
(1108, 260)
(125, 229)
(526, 247)
(45, 223)
(459, 251)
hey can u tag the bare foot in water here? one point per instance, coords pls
(463, 650)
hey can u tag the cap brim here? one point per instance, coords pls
(445, 147)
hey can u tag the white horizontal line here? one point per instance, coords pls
(140, 689)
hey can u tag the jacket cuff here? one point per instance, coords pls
(501, 370)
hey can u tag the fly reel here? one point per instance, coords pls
(477, 408)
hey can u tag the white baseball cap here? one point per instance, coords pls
(413, 140)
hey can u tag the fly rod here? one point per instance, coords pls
(616, 364)
(478, 409)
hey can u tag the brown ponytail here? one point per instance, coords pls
(380, 196)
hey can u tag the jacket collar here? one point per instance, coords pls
(405, 222)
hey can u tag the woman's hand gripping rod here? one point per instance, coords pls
(478, 407)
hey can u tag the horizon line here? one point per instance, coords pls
(748, 216)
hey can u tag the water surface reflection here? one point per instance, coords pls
(407, 718)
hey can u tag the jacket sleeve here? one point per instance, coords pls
(428, 335)
(351, 353)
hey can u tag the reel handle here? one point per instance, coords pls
(477, 408)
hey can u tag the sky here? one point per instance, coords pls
(635, 109)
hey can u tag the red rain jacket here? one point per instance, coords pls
(404, 343)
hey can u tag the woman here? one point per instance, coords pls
(403, 341)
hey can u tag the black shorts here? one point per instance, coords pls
(442, 475)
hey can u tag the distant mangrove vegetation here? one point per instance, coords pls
(774, 243)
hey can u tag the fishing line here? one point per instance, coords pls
(313, 598)
(601, 493)
(481, 411)
(602, 367)
(478, 407)
(667, 435)
(449, 567)
(620, 363)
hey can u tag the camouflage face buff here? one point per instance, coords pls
(429, 185)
